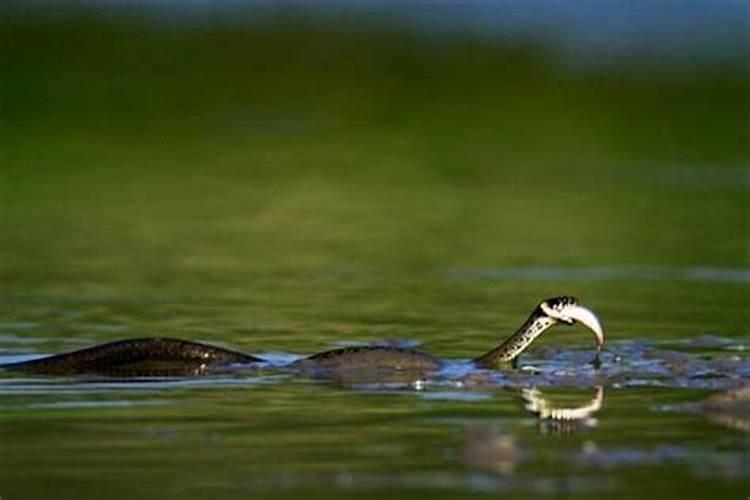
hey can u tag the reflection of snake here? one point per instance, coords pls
(540, 406)
(496, 452)
(173, 356)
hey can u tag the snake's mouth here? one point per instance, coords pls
(570, 312)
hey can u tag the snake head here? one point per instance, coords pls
(566, 309)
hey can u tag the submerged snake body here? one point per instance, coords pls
(382, 357)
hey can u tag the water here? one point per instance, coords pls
(163, 182)
(268, 433)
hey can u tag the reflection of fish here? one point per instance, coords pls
(162, 355)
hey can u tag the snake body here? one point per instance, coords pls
(168, 355)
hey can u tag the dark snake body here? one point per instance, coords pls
(168, 356)
(135, 357)
(385, 357)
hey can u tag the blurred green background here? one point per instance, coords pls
(139, 150)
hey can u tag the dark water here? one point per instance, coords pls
(282, 191)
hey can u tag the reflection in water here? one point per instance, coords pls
(373, 378)
(497, 452)
(727, 464)
(730, 408)
(543, 408)
(558, 420)
(491, 450)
